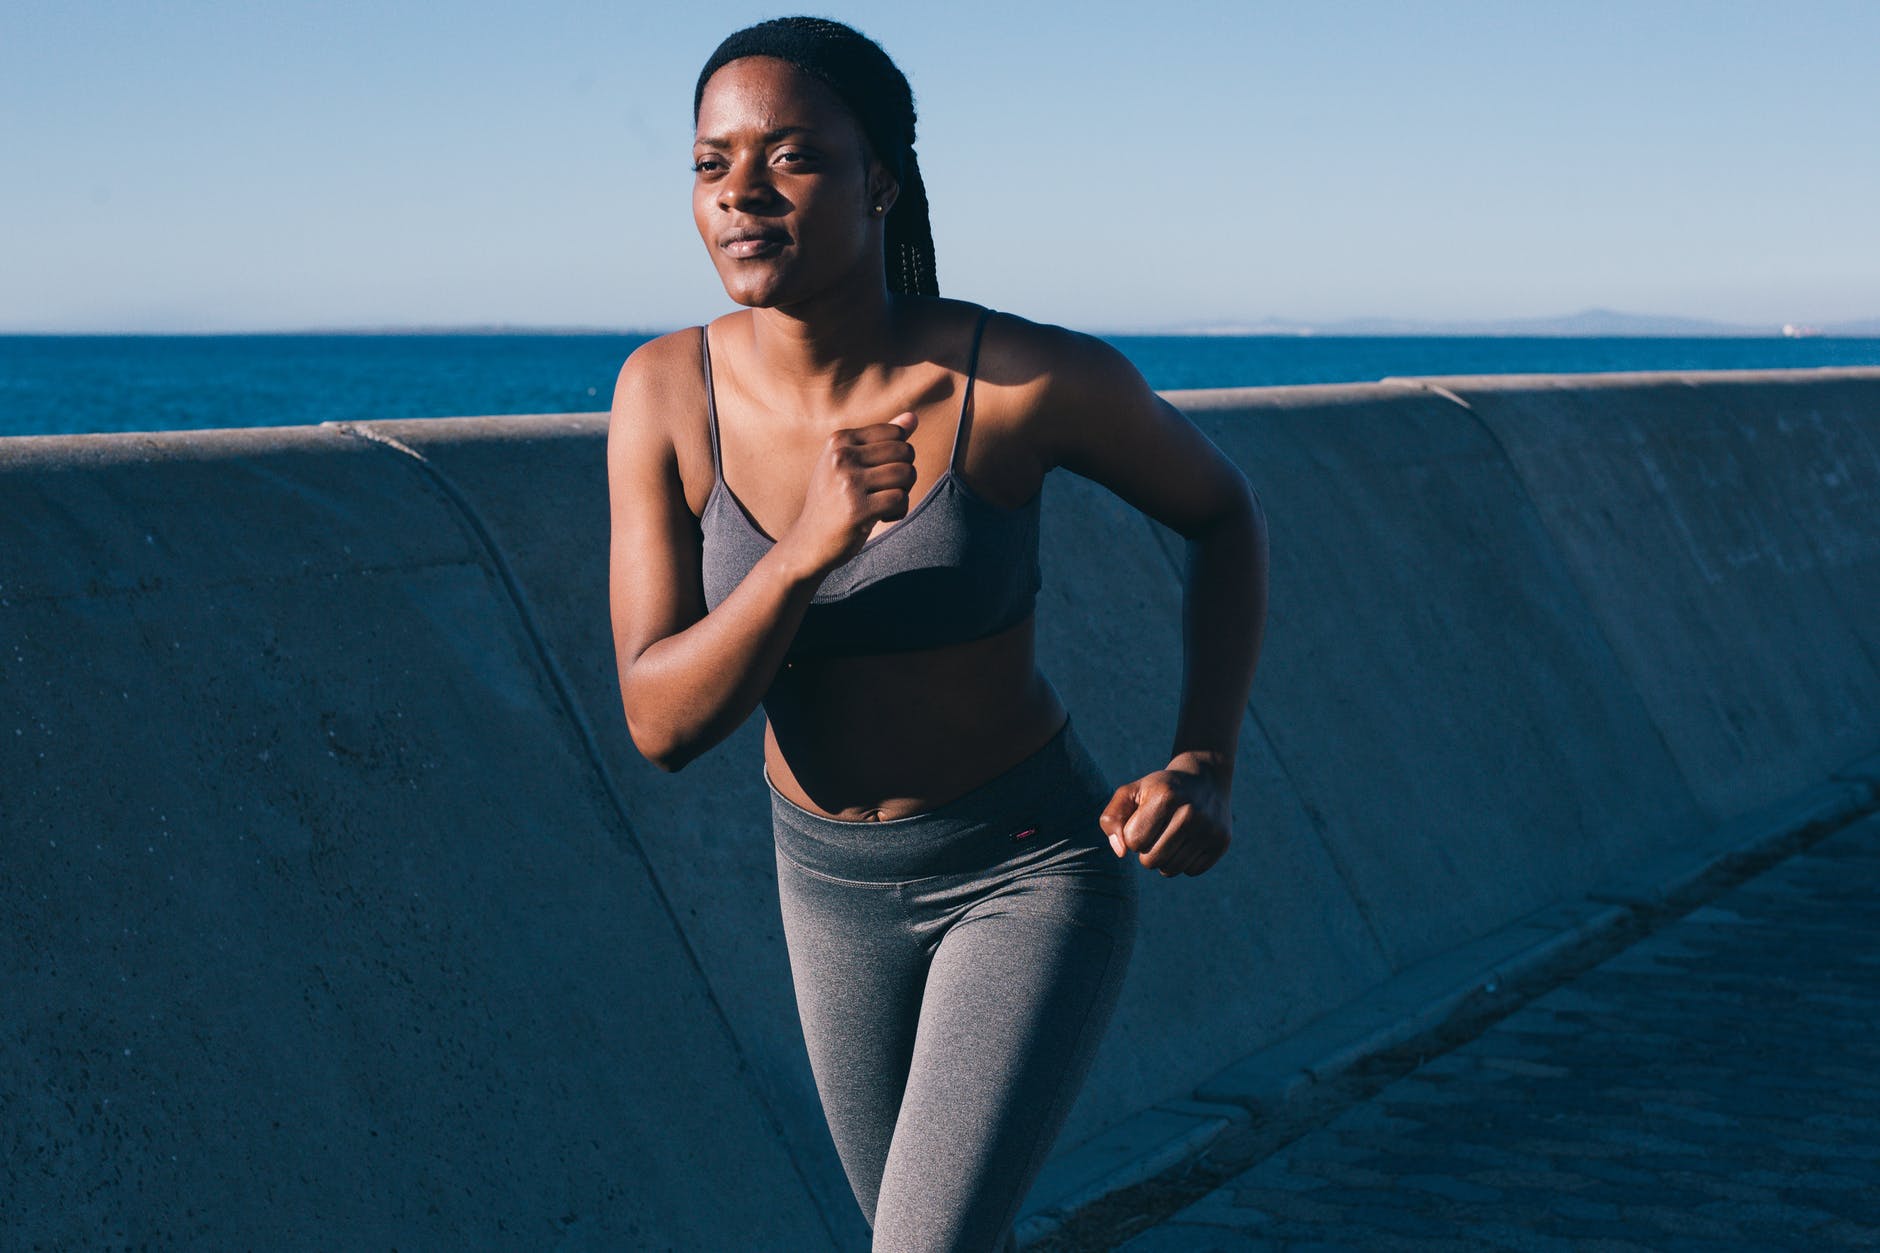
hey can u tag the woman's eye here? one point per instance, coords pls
(705, 165)
(792, 156)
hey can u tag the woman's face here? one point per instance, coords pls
(782, 191)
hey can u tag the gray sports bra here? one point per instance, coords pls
(955, 568)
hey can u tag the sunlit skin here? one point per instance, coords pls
(837, 402)
(777, 153)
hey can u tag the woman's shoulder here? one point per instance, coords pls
(657, 428)
(662, 359)
(1013, 349)
(1041, 360)
(1048, 389)
(663, 373)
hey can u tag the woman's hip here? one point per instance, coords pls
(1042, 810)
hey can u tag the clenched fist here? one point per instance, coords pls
(1176, 819)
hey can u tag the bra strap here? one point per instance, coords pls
(711, 401)
(966, 400)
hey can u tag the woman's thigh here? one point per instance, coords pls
(1021, 988)
(858, 973)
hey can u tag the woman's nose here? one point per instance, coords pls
(745, 186)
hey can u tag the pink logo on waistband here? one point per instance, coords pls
(1019, 835)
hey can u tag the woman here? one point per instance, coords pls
(826, 502)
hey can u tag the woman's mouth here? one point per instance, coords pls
(749, 244)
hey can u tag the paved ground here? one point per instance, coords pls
(1715, 1086)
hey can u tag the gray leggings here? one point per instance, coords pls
(955, 971)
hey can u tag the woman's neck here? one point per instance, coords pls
(822, 348)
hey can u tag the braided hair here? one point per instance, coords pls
(876, 92)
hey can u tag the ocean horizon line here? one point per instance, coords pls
(72, 384)
(1364, 329)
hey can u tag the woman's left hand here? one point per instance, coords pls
(1176, 819)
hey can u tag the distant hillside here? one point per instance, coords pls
(1590, 323)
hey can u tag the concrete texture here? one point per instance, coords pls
(318, 798)
(1710, 1087)
(317, 919)
(1419, 1012)
(1441, 699)
(1721, 531)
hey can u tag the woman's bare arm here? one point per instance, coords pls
(687, 678)
(1099, 419)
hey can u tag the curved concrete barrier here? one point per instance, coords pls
(336, 898)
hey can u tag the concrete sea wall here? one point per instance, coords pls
(335, 904)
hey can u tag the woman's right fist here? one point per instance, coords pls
(861, 477)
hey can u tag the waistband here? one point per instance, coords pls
(1058, 790)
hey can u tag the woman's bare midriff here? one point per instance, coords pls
(862, 739)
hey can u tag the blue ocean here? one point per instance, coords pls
(72, 384)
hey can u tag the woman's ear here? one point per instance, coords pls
(882, 189)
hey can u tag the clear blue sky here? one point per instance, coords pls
(230, 166)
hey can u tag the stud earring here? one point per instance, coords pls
(877, 208)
